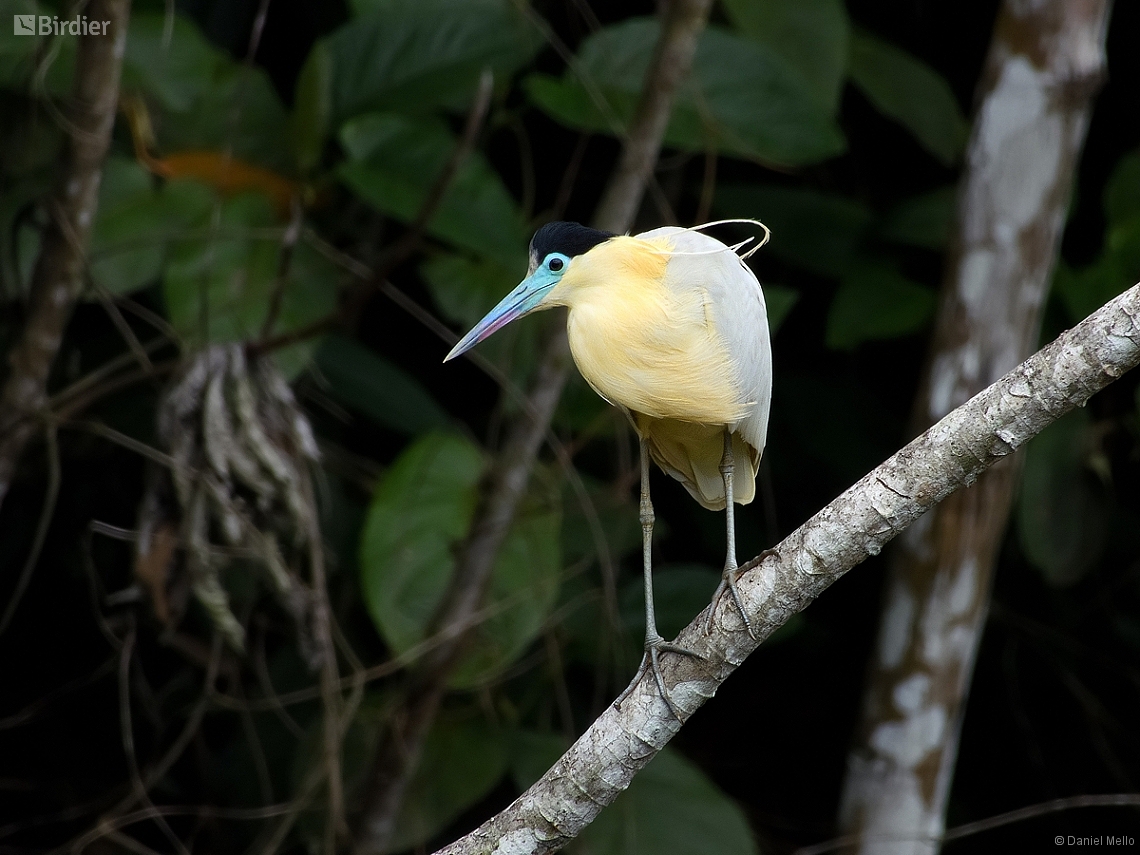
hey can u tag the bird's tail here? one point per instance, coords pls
(691, 453)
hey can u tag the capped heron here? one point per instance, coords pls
(670, 327)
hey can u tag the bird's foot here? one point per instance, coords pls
(728, 583)
(654, 647)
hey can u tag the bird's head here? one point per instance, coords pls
(552, 251)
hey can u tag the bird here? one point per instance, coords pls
(669, 326)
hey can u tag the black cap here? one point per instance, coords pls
(570, 239)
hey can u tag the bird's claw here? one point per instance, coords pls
(649, 661)
(728, 582)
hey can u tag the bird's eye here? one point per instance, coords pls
(555, 264)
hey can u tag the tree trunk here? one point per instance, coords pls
(58, 278)
(1045, 63)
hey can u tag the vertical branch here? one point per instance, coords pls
(334, 724)
(672, 58)
(1045, 63)
(398, 753)
(58, 277)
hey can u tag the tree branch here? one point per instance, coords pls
(58, 277)
(778, 584)
(398, 754)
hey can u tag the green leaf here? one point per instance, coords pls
(924, 220)
(24, 57)
(812, 230)
(312, 108)
(582, 410)
(465, 289)
(217, 284)
(810, 35)
(237, 111)
(395, 160)
(524, 586)
(1122, 193)
(912, 93)
(421, 508)
(837, 430)
(367, 382)
(19, 239)
(876, 302)
(418, 55)
(364, 7)
(463, 758)
(670, 808)
(1122, 252)
(680, 591)
(136, 223)
(741, 98)
(1061, 510)
(1084, 290)
(779, 300)
(616, 515)
(174, 66)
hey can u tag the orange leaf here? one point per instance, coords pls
(227, 175)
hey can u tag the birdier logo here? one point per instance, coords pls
(51, 25)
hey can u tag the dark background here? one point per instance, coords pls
(1054, 703)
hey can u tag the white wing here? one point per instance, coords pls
(735, 303)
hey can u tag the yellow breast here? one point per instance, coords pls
(644, 342)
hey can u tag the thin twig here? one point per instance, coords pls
(971, 828)
(121, 325)
(98, 375)
(349, 312)
(331, 701)
(46, 514)
(256, 31)
(708, 187)
(406, 245)
(308, 789)
(129, 378)
(284, 262)
(570, 177)
(130, 844)
(199, 811)
(126, 733)
(114, 818)
(30, 711)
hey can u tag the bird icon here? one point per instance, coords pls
(670, 327)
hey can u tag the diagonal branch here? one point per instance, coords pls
(398, 754)
(58, 277)
(781, 582)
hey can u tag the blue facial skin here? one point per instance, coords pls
(524, 299)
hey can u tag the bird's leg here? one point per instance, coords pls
(728, 578)
(654, 643)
